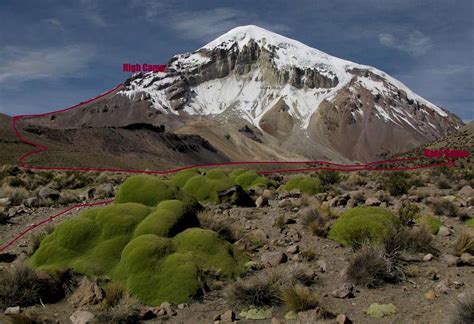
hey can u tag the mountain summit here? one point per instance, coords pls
(253, 94)
(306, 101)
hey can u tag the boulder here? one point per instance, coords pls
(12, 310)
(228, 316)
(81, 317)
(293, 249)
(48, 193)
(451, 260)
(32, 202)
(444, 231)
(343, 319)
(272, 259)
(261, 202)
(372, 201)
(466, 192)
(346, 291)
(4, 201)
(467, 259)
(88, 293)
(235, 196)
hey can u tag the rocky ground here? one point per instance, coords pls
(278, 237)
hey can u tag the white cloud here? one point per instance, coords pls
(20, 64)
(201, 25)
(414, 43)
(54, 22)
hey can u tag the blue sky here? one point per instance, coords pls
(55, 53)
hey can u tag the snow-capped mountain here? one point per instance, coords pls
(294, 97)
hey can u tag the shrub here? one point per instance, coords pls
(419, 239)
(328, 177)
(265, 288)
(114, 292)
(443, 184)
(315, 222)
(397, 183)
(21, 286)
(444, 207)
(309, 186)
(408, 212)
(280, 222)
(433, 222)
(146, 190)
(125, 311)
(370, 267)
(16, 194)
(298, 298)
(464, 243)
(362, 224)
(464, 311)
(261, 290)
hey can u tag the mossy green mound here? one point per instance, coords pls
(169, 218)
(433, 222)
(470, 223)
(204, 187)
(251, 179)
(146, 190)
(362, 224)
(156, 250)
(180, 178)
(309, 186)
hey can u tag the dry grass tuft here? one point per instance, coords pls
(298, 298)
(464, 311)
(216, 222)
(464, 243)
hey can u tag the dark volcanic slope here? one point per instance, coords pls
(135, 146)
(10, 147)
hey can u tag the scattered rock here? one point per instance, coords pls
(322, 265)
(276, 321)
(168, 309)
(467, 259)
(451, 260)
(291, 316)
(428, 257)
(182, 306)
(235, 196)
(272, 259)
(351, 203)
(430, 295)
(381, 310)
(4, 201)
(48, 193)
(268, 194)
(293, 249)
(12, 310)
(261, 202)
(257, 314)
(286, 202)
(442, 287)
(444, 231)
(466, 191)
(146, 313)
(372, 201)
(88, 293)
(81, 317)
(343, 319)
(347, 291)
(32, 202)
(259, 235)
(228, 316)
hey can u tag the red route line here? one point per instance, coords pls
(50, 219)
